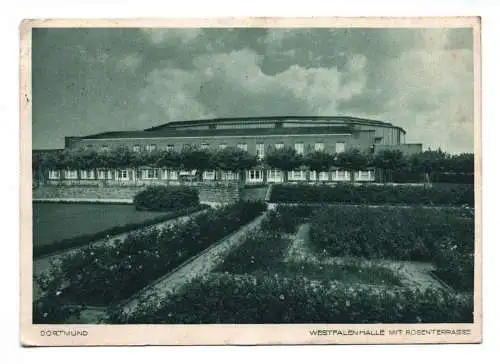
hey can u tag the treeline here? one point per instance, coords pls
(430, 165)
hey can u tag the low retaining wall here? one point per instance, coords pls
(220, 193)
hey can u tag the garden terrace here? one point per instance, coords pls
(106, 274)
(262, 282)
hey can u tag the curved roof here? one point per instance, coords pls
(335, 120)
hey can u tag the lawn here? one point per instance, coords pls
(57, 221)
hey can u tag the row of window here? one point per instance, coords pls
(260, 148)
(251, 175)
(145, 174)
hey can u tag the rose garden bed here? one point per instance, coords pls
(249, 299)
(257, 284)
(444, 237)
(106, 274)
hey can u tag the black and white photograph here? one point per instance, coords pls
(249, 175)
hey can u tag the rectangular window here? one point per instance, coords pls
(136, 148)
(318, 147)
(229, 176)
(260, 151)
(363, 175)
(339, 147)
(279, 145)
(87, 174)
(297, 175)
(150, 147)
(274, 175)
(149, 174)
(209, 175)
(323, 176)
(299, 148)
(123, 175)
(222, 146)
(173, 175)
(243, 147)
(103, 174)
(70, 174)
(54, 175)
(204, 146)
(255, 175)
(341, 175)
(170, 147)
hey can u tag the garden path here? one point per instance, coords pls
(195, 267)
(413, 274)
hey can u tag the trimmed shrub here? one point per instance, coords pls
(162, 198)
(246, 299)
(375, 194)
(110, 273)
(82, 240)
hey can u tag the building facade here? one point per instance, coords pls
(254, 135)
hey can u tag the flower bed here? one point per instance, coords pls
(105, 274)
(264, 252)
(246, 299)
(162, 198)
(375, 194)
(442, 236)
(41, 250)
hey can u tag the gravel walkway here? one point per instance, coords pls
(195, 267)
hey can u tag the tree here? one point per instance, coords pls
(389, 161)
(319, 161)
(235, 160)
(352, 160)
(284, 159)
(201, 160)
(461, 163)
(429, 163)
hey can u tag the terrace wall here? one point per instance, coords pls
(215, 193)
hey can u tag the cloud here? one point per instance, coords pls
(184, 36)
(129, 63)
(233, 84)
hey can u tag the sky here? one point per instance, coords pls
(87, 81)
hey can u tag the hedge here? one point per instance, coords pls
(104, 274)
(246, 299)
(442, 236)
(162, 198)
(82, 240)
(375, 194)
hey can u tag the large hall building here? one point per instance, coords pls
(255, 135)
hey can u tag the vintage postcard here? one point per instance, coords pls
(250, 181)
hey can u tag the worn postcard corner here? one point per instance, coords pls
(250, 181)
